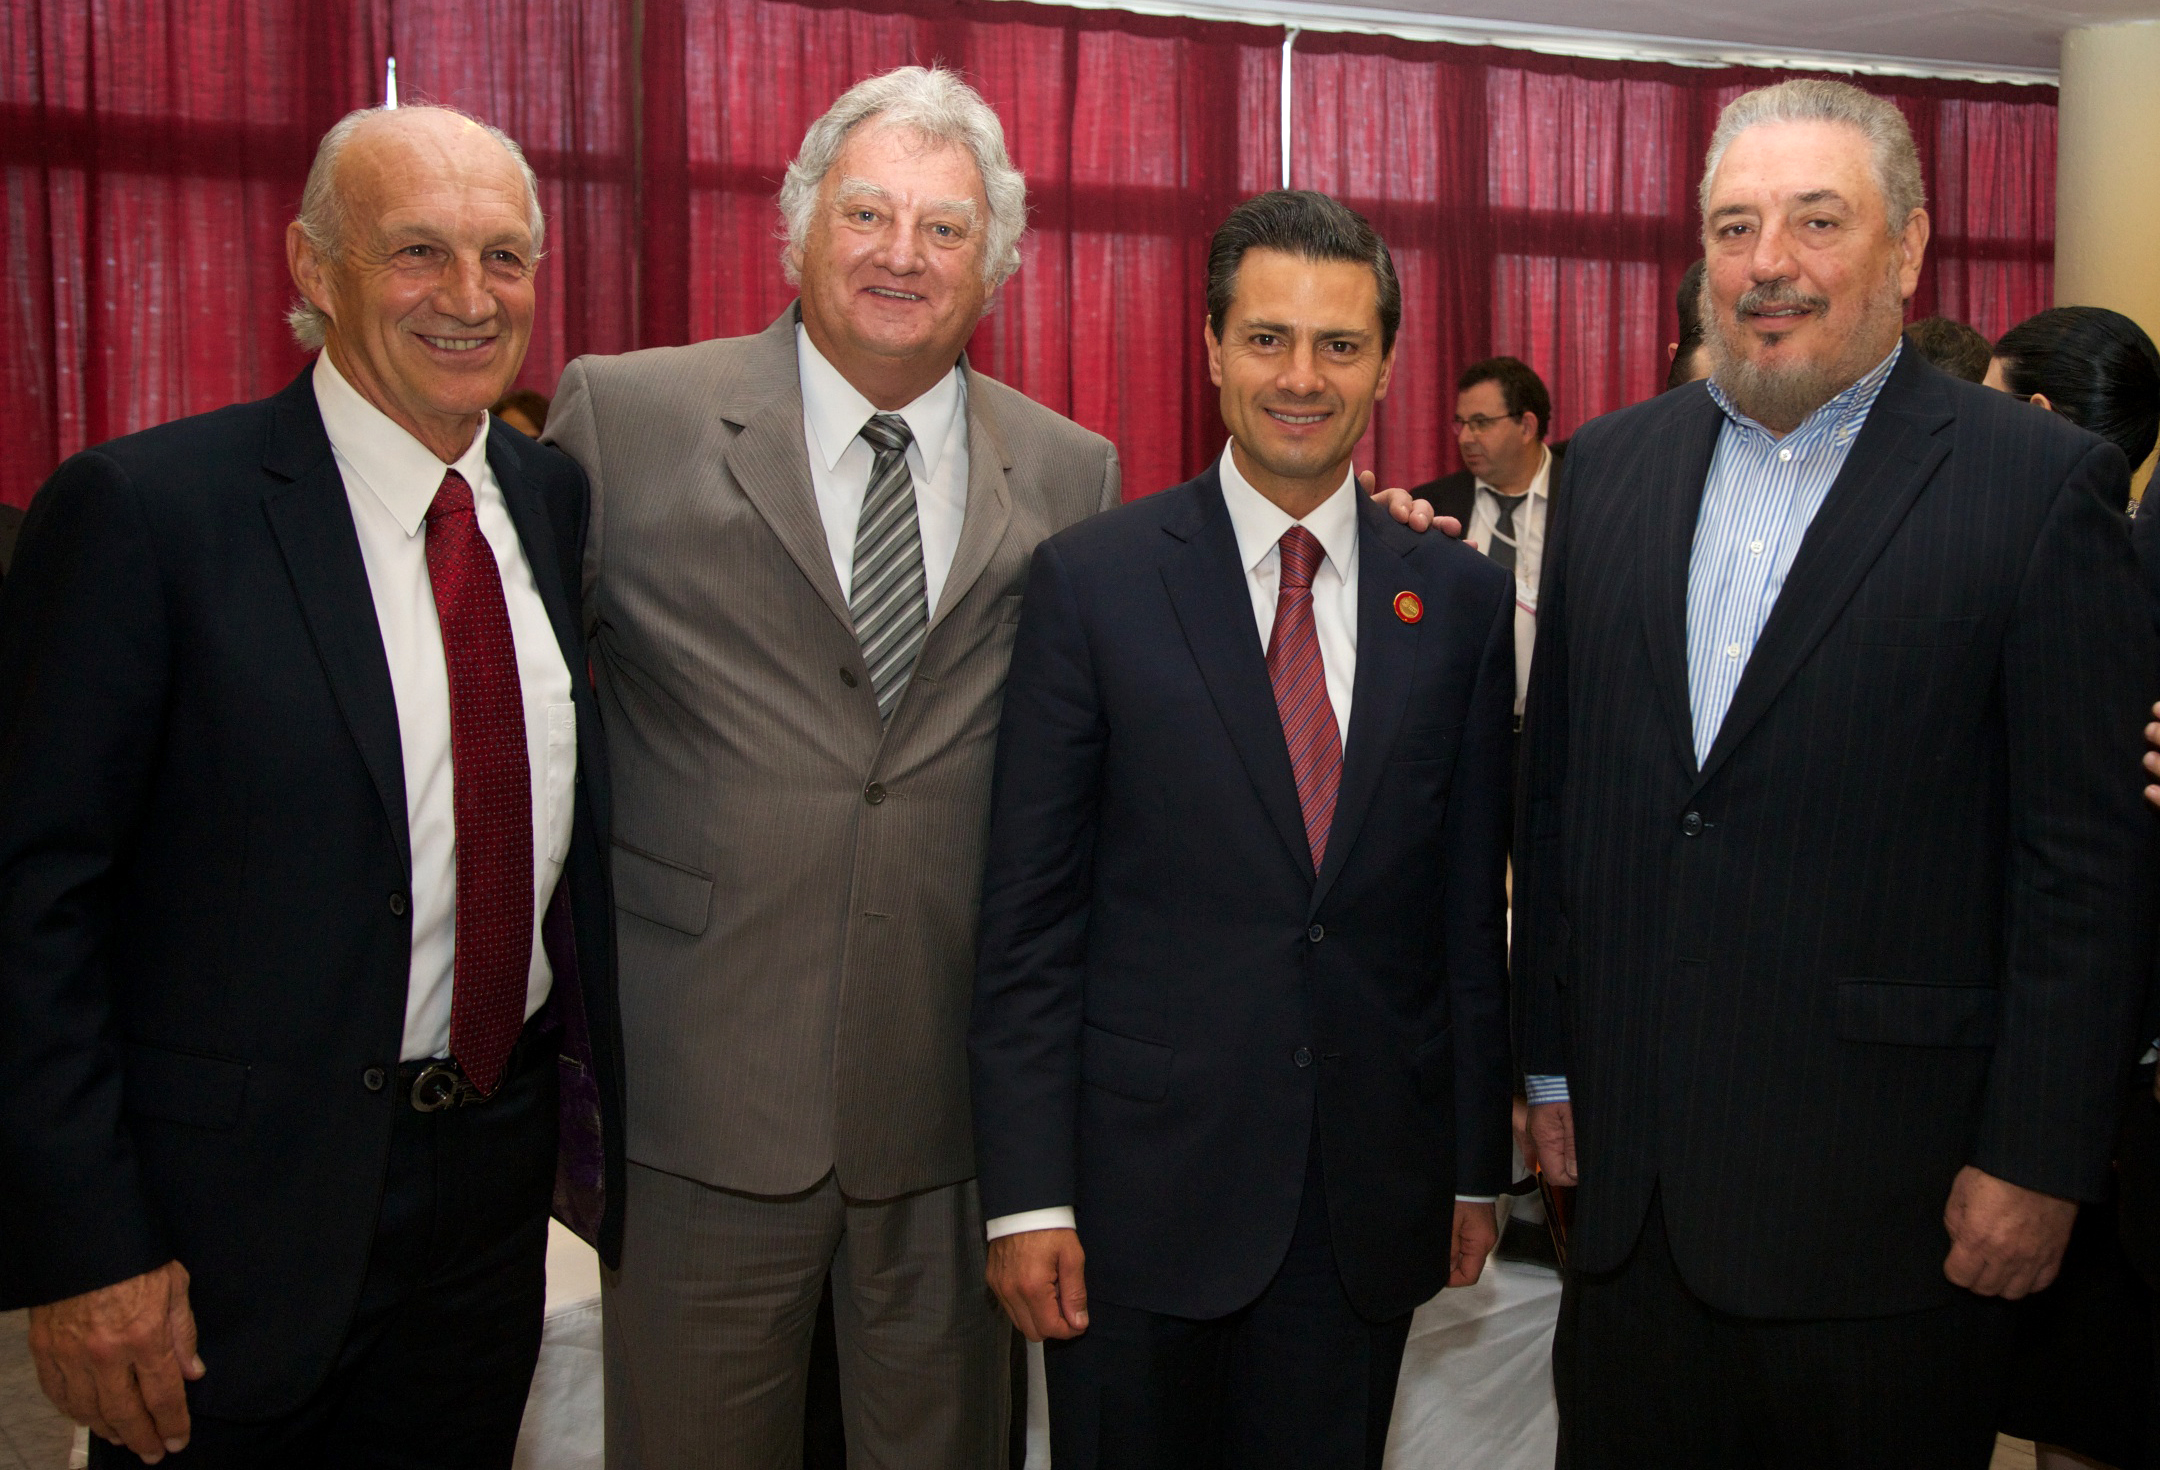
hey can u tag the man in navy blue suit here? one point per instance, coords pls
(1239, 1022)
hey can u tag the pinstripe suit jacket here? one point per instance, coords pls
(796, 891)
(1898, 921)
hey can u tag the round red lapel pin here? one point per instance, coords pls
(1409, 607)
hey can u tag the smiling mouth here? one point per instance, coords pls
(1296, 420)
(456, 344)
(892, 295)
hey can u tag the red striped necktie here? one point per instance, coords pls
(1301, 697)
(491, 781)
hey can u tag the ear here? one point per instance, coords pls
(1214, 352)
(309, 269)
(1387, 374)
(1912, 243)
(1532, 426)
(2040, 400)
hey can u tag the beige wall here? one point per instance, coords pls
(2107, 201)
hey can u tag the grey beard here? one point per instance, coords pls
(1780, 398)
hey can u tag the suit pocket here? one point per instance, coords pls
(184, 1087)
(1130, 1068)
(1427, 743)
(1904, 1013)
(662, 892)
(1914, 632)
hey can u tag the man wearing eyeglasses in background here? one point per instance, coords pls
(1502, 412)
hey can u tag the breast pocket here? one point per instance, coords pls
(560, 778)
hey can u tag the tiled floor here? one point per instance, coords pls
(33, 1436)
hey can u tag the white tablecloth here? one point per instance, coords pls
(1476, 1381)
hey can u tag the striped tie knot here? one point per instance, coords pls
(888, 433)
(1301, 555)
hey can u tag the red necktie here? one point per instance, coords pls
(492, 785)
(1301, 697)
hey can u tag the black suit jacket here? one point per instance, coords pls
(1456, 495)
(1167, 998)
(204, 939)
(1898, 921)
(10, 523)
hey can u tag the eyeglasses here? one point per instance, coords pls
(1478, 423)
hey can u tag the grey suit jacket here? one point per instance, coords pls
(797, 890)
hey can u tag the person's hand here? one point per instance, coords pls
(119, 1360)
(2152, 756)
(1416, 514)
(1477, 1231)
(1040, 1279)
(1552, 1133)
(2005, 1240)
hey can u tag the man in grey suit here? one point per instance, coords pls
(803, 579)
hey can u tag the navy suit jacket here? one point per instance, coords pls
(204, 938)
(1168, 999)
(1898, 920)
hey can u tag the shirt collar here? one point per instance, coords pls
(836, 410)
(1259, 522)
(398, 469)
(1838, 420)
(1540, 482)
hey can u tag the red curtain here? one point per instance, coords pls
(154, 149)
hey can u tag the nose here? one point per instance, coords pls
(1772, 257)
(901, 252)
(462, 292)
(1301, 372)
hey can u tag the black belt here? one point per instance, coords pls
(439, 1083)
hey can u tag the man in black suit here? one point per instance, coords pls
(1502, 494)
(1239, 1025)
(1833, 901)
(305, 938)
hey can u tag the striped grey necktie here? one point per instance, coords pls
(889, 599)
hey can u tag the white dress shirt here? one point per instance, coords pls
(1259, 524)
(390, 481)
(834, 413)
(1529, 556)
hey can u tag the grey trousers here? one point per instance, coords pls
(708, 1325)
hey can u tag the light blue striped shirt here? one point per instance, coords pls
(1758, 502)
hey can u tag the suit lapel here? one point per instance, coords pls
(988, 513)
(313, 524)
(770, 464)
(1672, 490)
(1386, 658)
(1889, 464)
(1208, 591)
(541, 553)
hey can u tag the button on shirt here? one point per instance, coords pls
(1761, 496)
(834, 413)
(1529, 556)
(390, 480)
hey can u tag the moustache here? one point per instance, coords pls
(1775, 294)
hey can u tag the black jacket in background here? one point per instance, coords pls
(204, 932)
(1900, 921)
(1456, 495)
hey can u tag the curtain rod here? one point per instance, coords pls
(1552, 40)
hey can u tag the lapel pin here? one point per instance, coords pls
(1408, 607)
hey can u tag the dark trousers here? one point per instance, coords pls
(1296, 1378)
(434, 1371)
(1650, 1376)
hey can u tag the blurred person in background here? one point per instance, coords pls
(1690, 360)
(523, 410)
(1951, 345)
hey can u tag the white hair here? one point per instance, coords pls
(1815, 99)
(935, 103)
(324, 219)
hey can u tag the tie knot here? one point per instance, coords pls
(452, 498)
(888, 433)
(1301, 555)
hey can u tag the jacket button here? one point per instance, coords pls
(1316, 933)
(373, 1079)
(397, 904)
(1692, 824)
(1302, 1056)
(847, 677)
(873, 793)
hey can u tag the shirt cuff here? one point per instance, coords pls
(1475, 1199)
(1545, 1090)
(1057, 1217)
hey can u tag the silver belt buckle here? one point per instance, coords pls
(437, 1087)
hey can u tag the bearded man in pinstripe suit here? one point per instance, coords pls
(1832, 896)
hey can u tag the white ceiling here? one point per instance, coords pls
(2008, 34)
